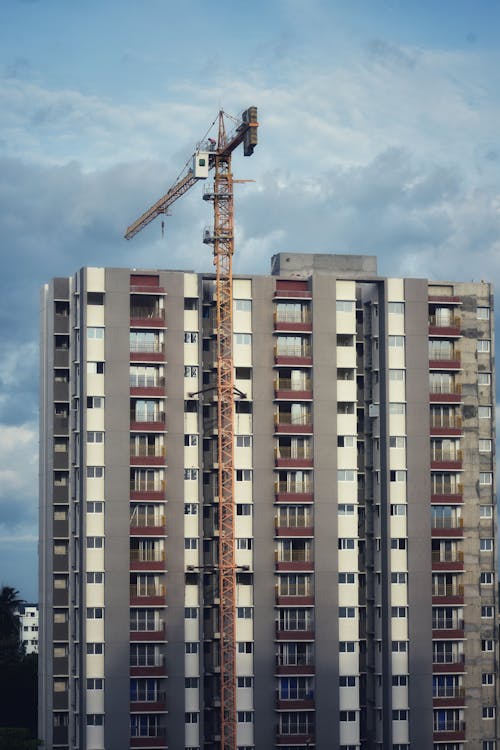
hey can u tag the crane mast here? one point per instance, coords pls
(222, 239)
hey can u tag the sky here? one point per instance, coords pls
(378, 134)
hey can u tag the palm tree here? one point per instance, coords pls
(10, 641)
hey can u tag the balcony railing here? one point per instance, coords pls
(141, 522)
(303, 350)
(438, 522)
(446, 455)
(137, 555)
(149, 347)
(292, 316)
(292, 487)
(286, 418)
(146, 485)
(453, 623)
(446, 422)
(285, 451)
(448, 658)
(448, 589)
(149, 590)
(286, 384)
(457, 557)
(448, 691)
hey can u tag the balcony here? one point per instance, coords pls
(451, 563)
(294, 635)
(450, 362)
(147, 422)
(444, 326)
(451, 732)
(293, 356)
(448, 594)
(286, 423)
(296, 492)
(446, 427)
(147, 560)
(456, 633)
(285, 390)
(446, 396)
(142, 636)
(299, 600)
(295, 531)
(147, 316)
(294, 565)
(446, 495)
(147, 351)
(298, 704)
(295, 669)
(302, 740)
(145, 530)
(155, 388)
(288, 289)
(147, 742)
(446, 460)
(147, 595)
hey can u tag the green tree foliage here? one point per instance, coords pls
(11, 650)
(17, 739)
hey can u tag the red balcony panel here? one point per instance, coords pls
(444, 364)
(158, 495)
(295, 669)
(147, 530)
(447, 300)
(295, 565)
(286, 395)
(457, 634)
(147, 706)
(147, 601)
(147, 635)
(294, 497)
(153, 390)
(147, 671)
(454, 668)
(158, 426)
(281, 325)
(294, 463)
(147, 323)
(451, 599)
(448, 736)
(298, 705)
(294, 531)
(450, 499)
(291, 601)
(146, 742)
(293, 429)
(281, 359)
(447, 331)
(148, 565)
(440, 565)
(448, 702)
(292, 289)
(147, 460)
(294, 635)
(457, 532)
(147, 356)
(445, 431)
(447, 465)
(294, 739)
(445, 398)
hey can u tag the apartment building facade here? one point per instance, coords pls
(365, 510)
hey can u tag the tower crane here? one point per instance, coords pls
(216, 155)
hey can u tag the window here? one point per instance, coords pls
(191, 474)
(488, 712)
(243, 338)
(346, 441)
(95, 613)
(191, 682)
(95, 437)
(95, 648)
(347, 577)
(95, 683)
(95, 542)
(487, 645)
(245, 717)
(484, 412)
(485, 511)
(191, 613)
(95, 506)
(483, 313)
(487, 612)
(95, 472)
(346, 543)
(95, 368)
(347, 715)
(190, 371)
(346, 475)
(397, 408)
(190, 543)
(244, 613)
(190, 440)
(191, 717)
(489, 745)
(95, 333)
(347, 612)
(190, 337)
(190, 509)
(396, 341)
(347, 647)
(486, 545)
(243, 305)
(346, 509)
(485, 477)
(488, 678)
(396, 374)
(245, 647)
(244, 682)
(343, 305)
(484, 378)
(483, 346)
(243, 475)
(394, 308)
(399, 543)
(191, 647)
(243, 509)
(243, 441)
(95, 577)
(244, 543)
(347, 680)
(398, 611)
(399, 680)
(397, 441)
(398, 509)
(486, 578)
(400, 715)
(399, 646)
(397, 475)
(484, 445)
(95, 402)
(95, 720)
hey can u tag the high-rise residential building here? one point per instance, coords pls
(365, 510)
